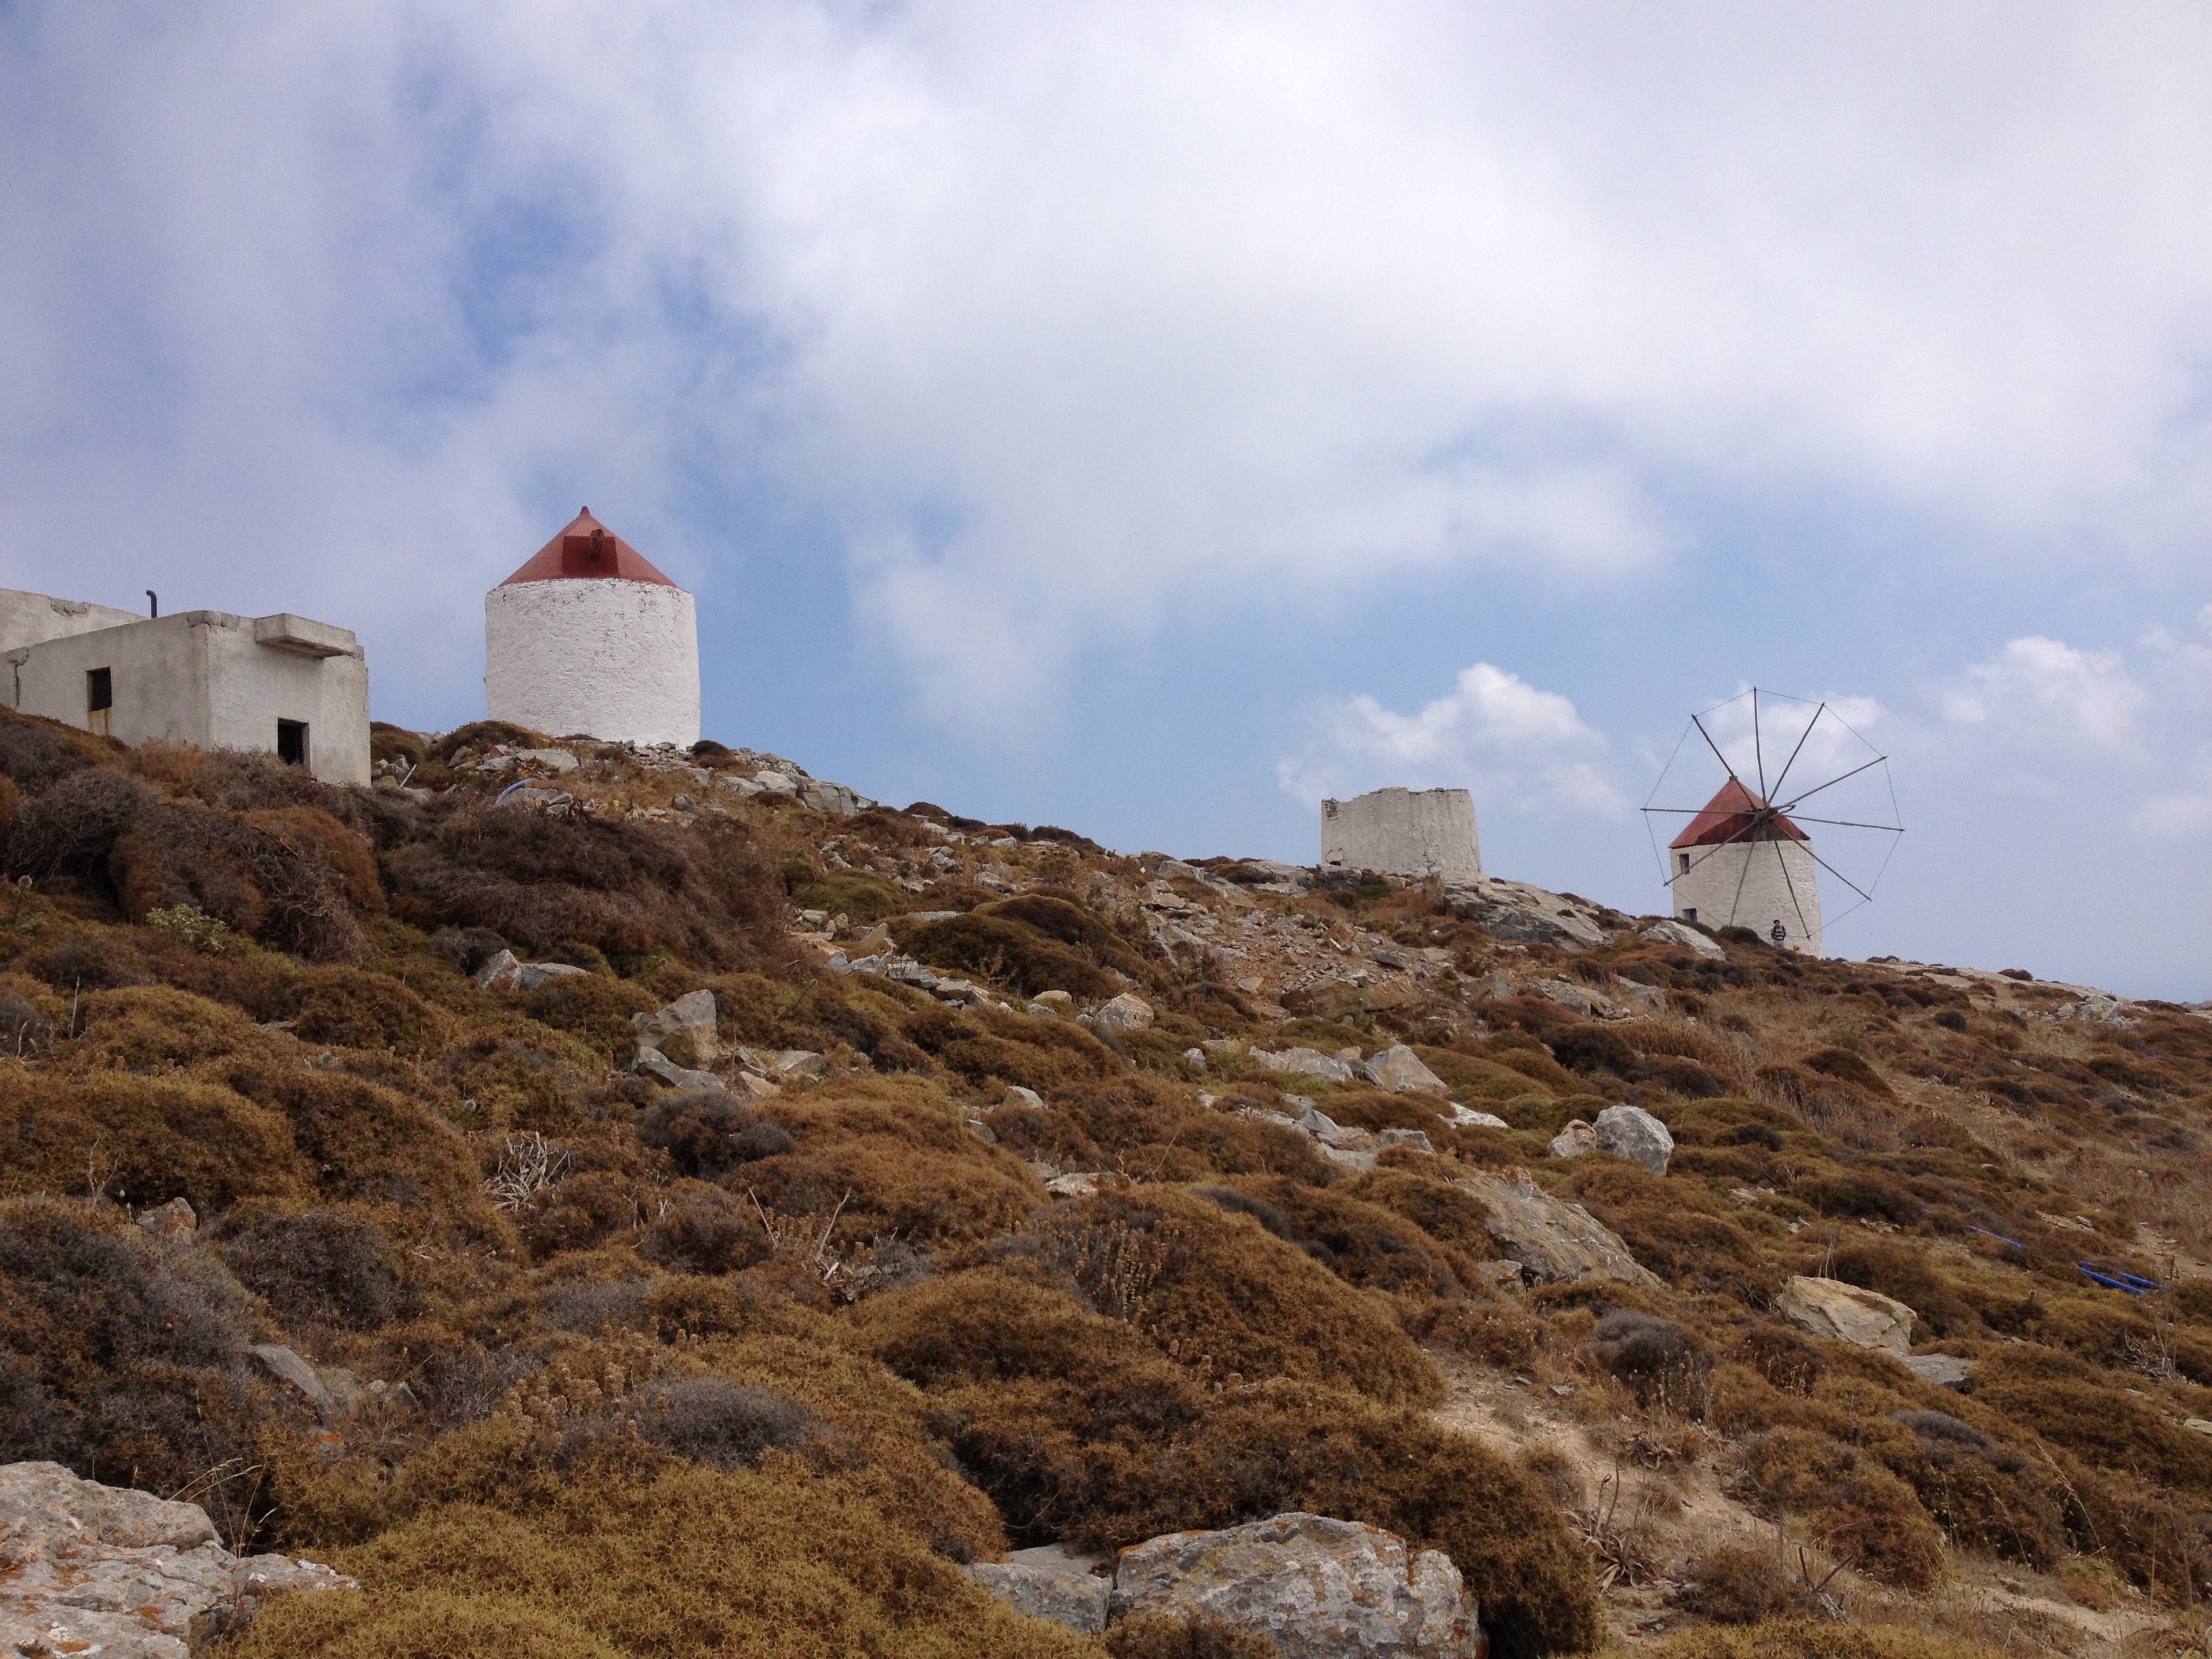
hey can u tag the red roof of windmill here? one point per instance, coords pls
(586, 549)
(1728, 817)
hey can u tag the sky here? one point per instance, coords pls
(1153, 419)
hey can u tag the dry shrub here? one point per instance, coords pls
(91, 960)
(146, 1140)
(37, 753)
(707, 1135)
(68, 830)
(1898, 1271)
(756, 1561)
(1861, 1511)
(898, 1157)
(706, 893)
(1080, 1430)
(580, 1213)
(1648, 1353)
(2062, 1400)
(123, 1362)
(324, 1268)
(1780, 1355)
(861, 899)
(1496, 1332)
(1801, 1639)
(988, 1046)
(1732, 1585)
(1204, 1285)
(1004, 950)
(1364, 1244)
(1983, 1495)
(699, 1229)
(1835, 1106)
(152, 1028)
(1442, 1211)
(272, 885)
(595, 1008)
(1187, 1636)
(355, 1008)
(1674, 1228)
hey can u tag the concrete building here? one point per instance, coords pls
(588, 639)
(281, 683)
(1741, 864)
(1403, 832)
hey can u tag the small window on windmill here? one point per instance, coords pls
(1683, 858)
(292, 742)
(99, 699)
(1690, 915)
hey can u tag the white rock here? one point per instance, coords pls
(1127, 1012)
(653, 1063)
(1667, 930)
(1306, 1062)
(1466, 1118)
(1318, 1588)
(1027, 1100)
(1557, 1242)
(107, 1571)
(1515, 910)
(1631, 1133)
(287, 1367)
(529, 975)
(174, 1220)
(1075, 1599)
(1845, 1313)
(1947, 1371)
(1399, 1070)
(1574, 1140)
(499, 972)
(683, 1031)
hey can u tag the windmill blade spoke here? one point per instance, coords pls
(1839, 875)
(1802, 736)
(1851, 823)
(1796, 903)
(1877, 760)
(1716, 748)
(1734, 903)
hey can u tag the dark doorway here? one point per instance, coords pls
(98, 699)
(292, 742)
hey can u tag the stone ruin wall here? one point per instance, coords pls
(1403, 832)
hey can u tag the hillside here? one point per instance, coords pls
(1013, 1191)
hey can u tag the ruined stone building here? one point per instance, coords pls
(280, 684)
(1740, 863)
(588, 639)
(1403, 832)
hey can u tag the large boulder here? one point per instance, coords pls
(1308, 1062)
(103, 1570)
(1845, 1313)
(1047, 1582)
(1515, 910)
(1631, 1133)
(682, 1032)
(1319, 1589)
(1556, 1243)
(1399, 1070)
(1127, 1012)
(1667, 930)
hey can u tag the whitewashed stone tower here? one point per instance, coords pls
(1403, 832)
(589, 639)
(1742, 864)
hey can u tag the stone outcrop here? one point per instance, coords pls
(1945, 1370)
(106, 1570)
(1574, 1140)
(1399, 1070)
(1631, 1133)
(1556, 1243)
(1353, 1149)
(171, 1222)
(1667, 930)
(1319, 1589)
(1466, 1118)
(682, 1032)
(655, 1064)
(1845, 1313)
(1515, 910)
(1309, 1062)
(1127, 1012)
(502, 972)
(1047, 1582)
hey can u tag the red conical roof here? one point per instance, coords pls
(586, 549)
(1728, 817)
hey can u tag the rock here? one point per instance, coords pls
(105, 1571)
(1066, 1596)
(559, 759)
(1667, 930)
(834, 798)
(1127, 1012)
(1503, 1271)
(1027, 1100)
(1318, 1588)
(1306, 1062)
(1574, 998)
(174, 1222)
(529, 975)
(684, 1030)
(2198, 1424)
(1945, 1370)
(1080, 1184)
(1515, 910)
(1462, 1117)
(1649, 997)
(653, 1063)
(1557, 1242)
(1196, 1057)
(1399, 1070)
(1058, 1002)
(1631, 1133)
(1416, 1140)
(789, 1063)
(287, 1367)
(1845, 1313)
(1574, 1140)
(499, 972)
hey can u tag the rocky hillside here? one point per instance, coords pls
(618, 1203)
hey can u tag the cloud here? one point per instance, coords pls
(1508, 741)
(2042, 694)
(1064, 318)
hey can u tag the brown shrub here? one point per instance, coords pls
(1190, 1635)
(151, 1028)
(68, 830)
(272, 885)
(1786, 1638)
(706, 893)
(1983, 1495)
(1364, 1244)
(703, 1229)
(596, 1008)
(355, 1008)
(1731, 1585)
(324, 1268)
(1004, 950)
(344, 854)
(1201, 1283)
(1898, 1271)
(1859, 1508)
(899, 1158)
(36, 753)
(2062, 1400)
(860, 898)
(988, 1046)
(1673, 1228)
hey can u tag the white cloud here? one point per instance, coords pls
(1507, 741)
(1065, 316)
(2045, 695)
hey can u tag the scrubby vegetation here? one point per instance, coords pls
(755, 1370)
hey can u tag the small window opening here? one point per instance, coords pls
(99, 699)
(1684, 860)
(292, 742)
(1690, 915)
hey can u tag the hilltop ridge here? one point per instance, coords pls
(681, 1182)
